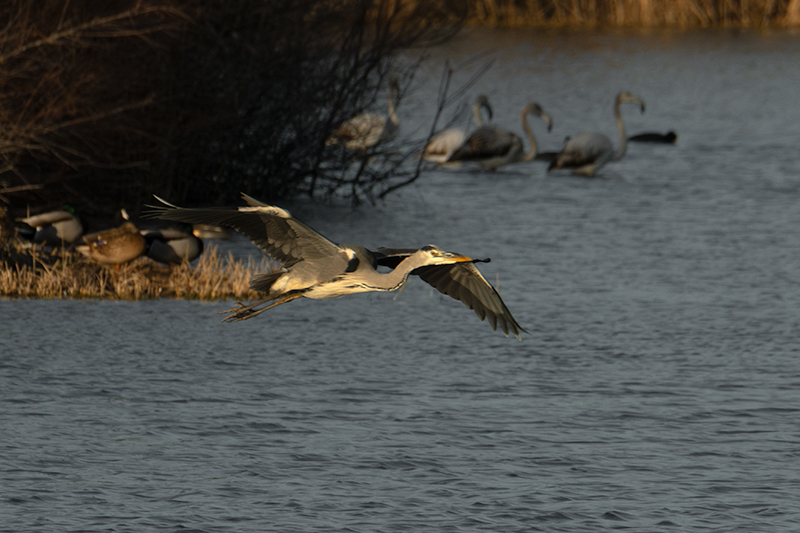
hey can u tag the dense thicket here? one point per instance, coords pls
(104, 103)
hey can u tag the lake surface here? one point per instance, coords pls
(658, 390)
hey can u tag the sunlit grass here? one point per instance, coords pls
(70, 275)
(634, 13)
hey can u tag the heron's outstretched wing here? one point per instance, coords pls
(462, 281)
(272, 229)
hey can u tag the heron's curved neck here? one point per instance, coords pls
(529, 133)
(391, 281)
(623, 139)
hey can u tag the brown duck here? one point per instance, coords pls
(114, 246)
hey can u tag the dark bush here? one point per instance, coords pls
(103, 103)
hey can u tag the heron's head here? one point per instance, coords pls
(436, 256)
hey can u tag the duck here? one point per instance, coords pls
(172, 245)
(116, 245)
(654, 137)
(57, 227)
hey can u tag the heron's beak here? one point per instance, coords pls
(458, 258)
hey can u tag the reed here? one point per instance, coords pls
(64, 274)
(635, 13)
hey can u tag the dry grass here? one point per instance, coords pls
(70, 275)
(635, 13)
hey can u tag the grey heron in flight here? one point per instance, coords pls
(445, 142)
(492, 147)
(586, 152)
(368, 129)
(314, 267)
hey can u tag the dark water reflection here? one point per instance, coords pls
(656, 392)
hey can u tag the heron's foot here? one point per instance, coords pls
(243, 312)
(240, 312)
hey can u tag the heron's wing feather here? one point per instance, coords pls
(273, 230)
(464, 282)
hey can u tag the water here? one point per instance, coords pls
(657, 391)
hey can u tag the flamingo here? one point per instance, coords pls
(444, 143)
(368, 129)
(493, 147)
(586, 152)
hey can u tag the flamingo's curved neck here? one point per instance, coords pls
(531, 153)
(623, 139)
(476, 112)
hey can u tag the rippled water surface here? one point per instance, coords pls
(658, 390)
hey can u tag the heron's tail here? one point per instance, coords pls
(263, 282)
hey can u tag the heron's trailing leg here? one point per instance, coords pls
(243, 309)
(243, 312)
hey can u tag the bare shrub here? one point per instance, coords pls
(281, 76)
(104, 103)
(71, 99)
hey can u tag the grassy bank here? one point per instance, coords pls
(64, 274)
(635, 13)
